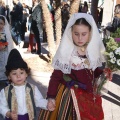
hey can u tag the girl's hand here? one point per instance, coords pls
(2, 47)
(51, 104)
(13, 115)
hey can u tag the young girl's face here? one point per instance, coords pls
(18, 76)
(1, 24)
(80, 34)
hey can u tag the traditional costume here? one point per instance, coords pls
(72, 82)
(5, 39)
(24, 98)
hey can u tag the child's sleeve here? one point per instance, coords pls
(39, 100)
(3, 104)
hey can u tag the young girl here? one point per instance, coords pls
(19, 99)
(71, 87)
(6, 44)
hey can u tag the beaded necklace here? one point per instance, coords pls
(92, 73)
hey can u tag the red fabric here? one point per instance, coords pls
(3, 43)
(55, 80)
(108, 73)
(89, 110)
(82, 76)
(31, 37)
(31, 43)
(51, 17)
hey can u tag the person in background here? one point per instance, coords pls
(24, 21)
(76, 66)
(65, 16)
(8, 13)
(100, 17)
(17, 16)
(20, 98)
(2, 8)
(85, 7)
(31, 47)
(80, 8)
(37, 24)
(116, 20)
(5, 37)
(96, 16)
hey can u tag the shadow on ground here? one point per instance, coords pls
(113, 97)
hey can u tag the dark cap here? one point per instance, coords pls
(15, 60)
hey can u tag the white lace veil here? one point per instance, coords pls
(8, 35)
(95, 48)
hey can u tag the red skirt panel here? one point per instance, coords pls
(89, 108)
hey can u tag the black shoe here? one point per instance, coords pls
(38, 52)
(33, 51)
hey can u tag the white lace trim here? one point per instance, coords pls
(78, 63)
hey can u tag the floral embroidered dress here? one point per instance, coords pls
(3, 56)
(76, 92)
(5, 40)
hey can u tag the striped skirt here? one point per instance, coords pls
(74, 104)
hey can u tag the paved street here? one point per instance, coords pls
(111, 100)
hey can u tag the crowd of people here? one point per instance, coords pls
(23, 18)
(72, 87)
(116, 19)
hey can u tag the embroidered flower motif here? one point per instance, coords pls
(76, 60)
(3, 41)
(2, 37)
(79, 63)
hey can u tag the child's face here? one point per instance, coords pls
(80, 35)
(1, 24)
(18, 76)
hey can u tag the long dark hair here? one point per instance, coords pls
(82, 21)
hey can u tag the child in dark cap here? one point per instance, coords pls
(19, 99)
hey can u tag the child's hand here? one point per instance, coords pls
(51, 104)
(13, 115)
